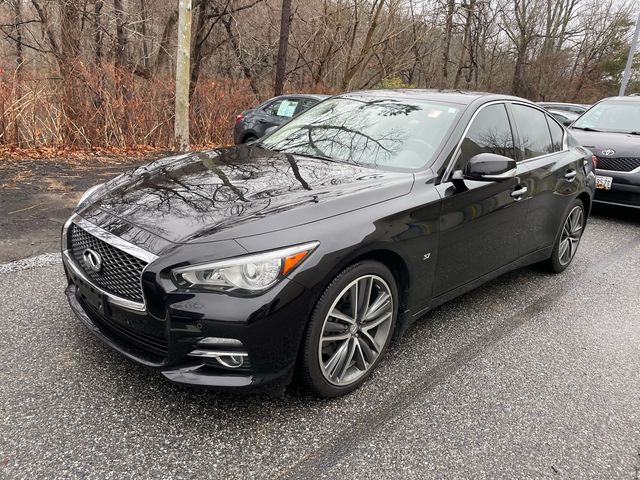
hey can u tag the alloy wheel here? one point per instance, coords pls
(355, 330)
(571, 233)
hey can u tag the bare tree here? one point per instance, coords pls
(281, 60)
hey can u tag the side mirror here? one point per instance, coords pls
(567, 122)
(490, 167)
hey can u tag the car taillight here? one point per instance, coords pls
(239, 118)
(594, 161)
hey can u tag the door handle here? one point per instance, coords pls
(570, 175)
(519, 193)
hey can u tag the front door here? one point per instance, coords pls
(481, 227)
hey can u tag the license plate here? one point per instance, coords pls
(603, 182)
(91, 296)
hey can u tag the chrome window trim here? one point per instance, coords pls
(116, 242)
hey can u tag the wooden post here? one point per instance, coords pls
(183, 75)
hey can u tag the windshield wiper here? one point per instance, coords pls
(309, 155)
(634, 133)
(586, 129)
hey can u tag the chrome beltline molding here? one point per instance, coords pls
(115, 241)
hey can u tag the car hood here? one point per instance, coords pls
(622, 144)
(239, 191)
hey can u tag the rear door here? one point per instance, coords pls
(555, 174)
(480, 228)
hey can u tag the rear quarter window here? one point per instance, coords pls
(557, 135)
(535, 137)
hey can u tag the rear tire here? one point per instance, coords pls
(249, 138)
(568, 240)
(345, 340)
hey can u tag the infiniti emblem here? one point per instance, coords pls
(92, 259)
(608, 152)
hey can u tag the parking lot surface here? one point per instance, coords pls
(530, 376)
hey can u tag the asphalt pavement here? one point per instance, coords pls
(533, 375)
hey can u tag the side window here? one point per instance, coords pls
(557, 135)
(282, 108)
(490, 132)
(308, 103)
(272, 108)
(535, 137)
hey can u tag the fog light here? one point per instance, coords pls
(231, 361)
(228, 359)
(227, 342)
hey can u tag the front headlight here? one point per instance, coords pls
(89, 192)
(251, 273)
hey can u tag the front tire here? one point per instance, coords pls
(345, 339)
(568, 239)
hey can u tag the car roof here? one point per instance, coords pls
(562, 103)
(450, 96)
(565, 113)
(626, 98)
(317, 96)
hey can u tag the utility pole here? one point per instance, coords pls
(183, 75)
(632, 52)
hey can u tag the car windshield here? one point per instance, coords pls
(377, 132)
(611, 117)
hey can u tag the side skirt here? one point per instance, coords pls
(407, 317)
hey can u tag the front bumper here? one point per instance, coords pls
(625, 189)
(266, 329)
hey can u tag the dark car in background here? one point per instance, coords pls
(611, 130)
(576, 108)
(253, 124)
(309, 250)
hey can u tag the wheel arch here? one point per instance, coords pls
(585, 198)
(247, 135)
(399, 268)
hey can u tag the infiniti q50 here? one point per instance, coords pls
(301, 256)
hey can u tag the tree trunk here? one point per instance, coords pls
(17, 18)
(281, 61)
(246, 70)
(183, 59)
(97, 14)
(466, 43)
(143, 31)
(448, 33)
(198, 46)
(162, 58)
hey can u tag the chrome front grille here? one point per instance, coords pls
(120, 273)
(620, 164)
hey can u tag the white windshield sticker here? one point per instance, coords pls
(287, 108)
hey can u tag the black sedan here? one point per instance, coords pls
(253, 124)
(308, 251)
(611, 130)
